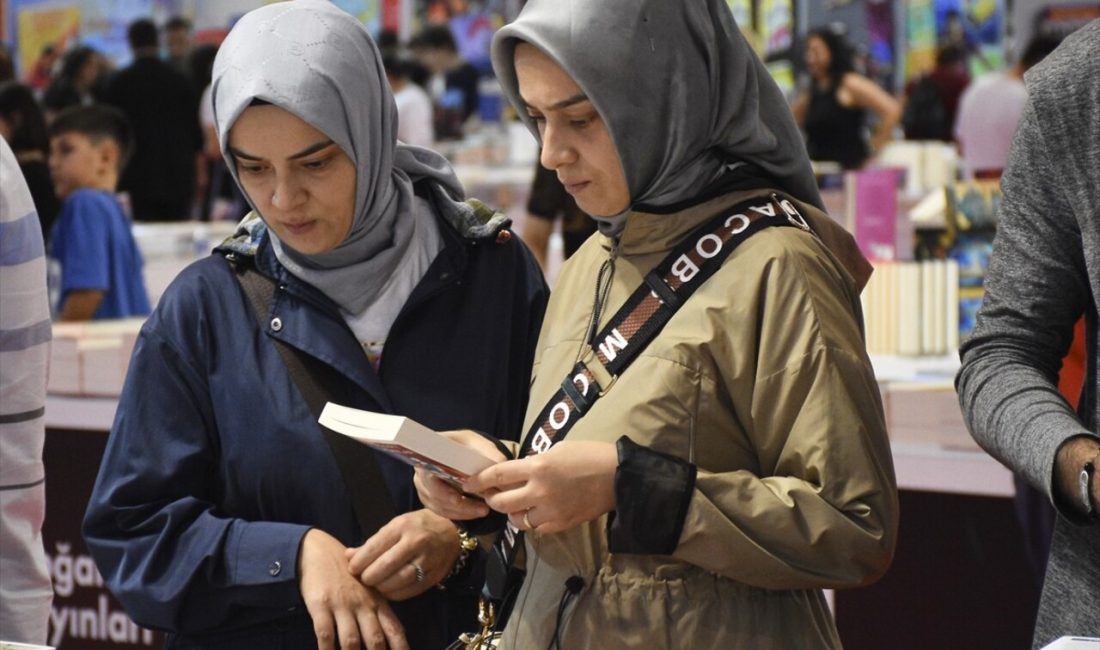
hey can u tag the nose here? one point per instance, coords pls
(288, 193)
(557, 148)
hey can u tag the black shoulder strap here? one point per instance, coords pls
(318, 383)
(645, 313)
(640, 319)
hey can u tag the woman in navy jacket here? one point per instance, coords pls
(220, 514)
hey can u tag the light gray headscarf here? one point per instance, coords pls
(313, 60)
(681, 91)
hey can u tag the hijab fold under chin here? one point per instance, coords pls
(315, 61)
(680, 90)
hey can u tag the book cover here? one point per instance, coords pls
(406, 440)
(873, 211)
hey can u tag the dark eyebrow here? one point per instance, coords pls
(565, 103)
(311, 149)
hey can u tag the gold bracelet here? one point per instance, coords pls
(467, 544)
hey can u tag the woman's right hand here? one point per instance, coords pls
(344, 612)
(444, 499)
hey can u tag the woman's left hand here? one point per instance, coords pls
(570, 484)
(407, 556)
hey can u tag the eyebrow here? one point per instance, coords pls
(311, 149)
(565, 103)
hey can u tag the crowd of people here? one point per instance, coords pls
(727, 458)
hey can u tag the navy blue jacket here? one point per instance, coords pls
(215, 468)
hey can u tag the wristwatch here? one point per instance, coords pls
(1084, 480)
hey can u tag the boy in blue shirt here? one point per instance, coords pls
(100, 264)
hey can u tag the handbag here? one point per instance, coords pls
(637, 322)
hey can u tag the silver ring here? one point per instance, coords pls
(419, 571)
(526, 521)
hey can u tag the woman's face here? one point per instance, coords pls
(575, 140)
(818, 57)
(302, 183)
(88, 73)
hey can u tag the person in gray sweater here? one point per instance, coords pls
(1043, 275)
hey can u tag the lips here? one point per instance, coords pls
(575, 188)
(299, 228)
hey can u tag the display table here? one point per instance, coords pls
(84, 615)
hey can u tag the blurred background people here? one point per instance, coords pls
(162, 109)
(833, 111)
(454, 81)
(23, 125)
(990, 110)
(414, 106)
(25, 589)
(7, 64)
(547, 203)
(219, 196)
(80, 70)
(177, 41)
(932, 99)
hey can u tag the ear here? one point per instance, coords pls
(108, 154)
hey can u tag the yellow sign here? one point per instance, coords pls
(38, 28)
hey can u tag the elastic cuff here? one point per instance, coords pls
(652, 494)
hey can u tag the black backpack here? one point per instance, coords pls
(925, 116)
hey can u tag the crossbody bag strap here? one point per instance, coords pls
(641, 318)
(318, 384)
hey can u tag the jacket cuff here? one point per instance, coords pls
(652, 494)
(265, 561)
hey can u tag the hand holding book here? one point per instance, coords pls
(451, 456)
(450, 501)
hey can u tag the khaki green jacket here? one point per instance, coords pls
(762, 382)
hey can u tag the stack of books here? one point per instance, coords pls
(91, 358)
(912, 308)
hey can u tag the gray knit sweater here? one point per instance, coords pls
(1044, 274)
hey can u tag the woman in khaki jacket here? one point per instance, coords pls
(740, 464)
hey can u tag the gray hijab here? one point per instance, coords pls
(315, 61)
(682, 93)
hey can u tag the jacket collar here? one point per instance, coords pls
(652, 232)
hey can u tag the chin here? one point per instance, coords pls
(602, 210)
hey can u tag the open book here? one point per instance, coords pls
(406, 440)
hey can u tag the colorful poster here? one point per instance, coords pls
(367, 11)
(880, 34)
(43, 28)
(977, 26)
(742, 13)
(473, 23)
(777, 25)
(103, 24)
(920, 32)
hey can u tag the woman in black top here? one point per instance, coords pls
(833, 110)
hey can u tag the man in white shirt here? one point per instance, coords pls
(990, 110)
(414, 106)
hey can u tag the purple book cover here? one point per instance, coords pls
(874, 209)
